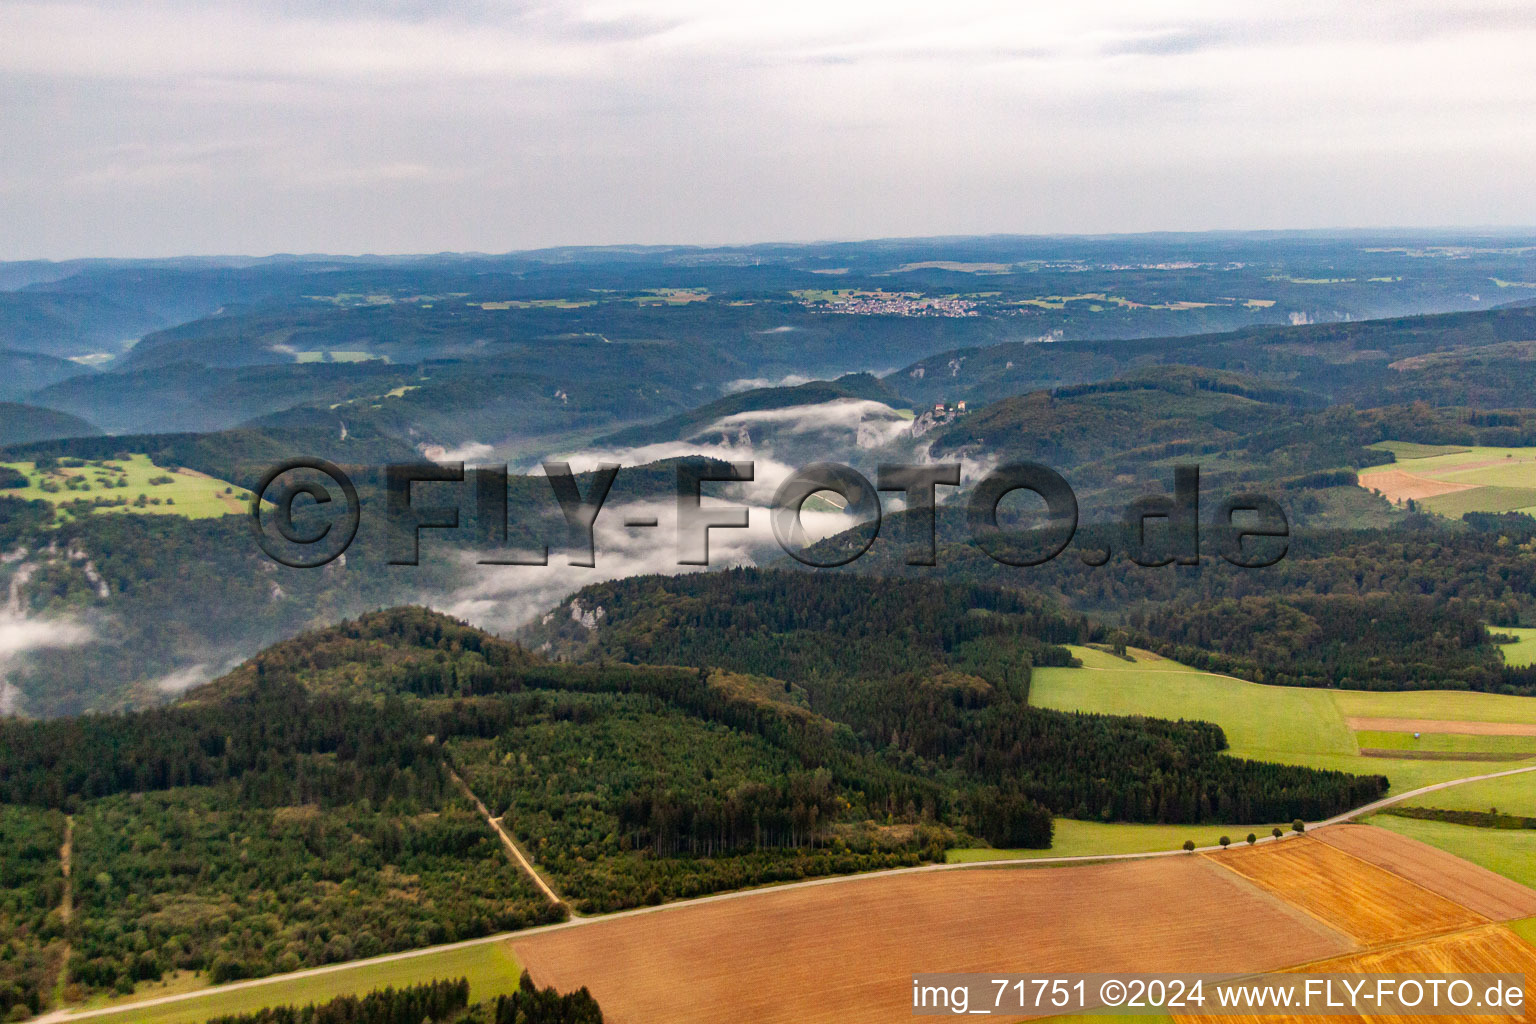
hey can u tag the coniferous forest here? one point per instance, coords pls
(306, 808)
(442, 1002)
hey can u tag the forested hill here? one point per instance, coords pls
(22, 423)
(377, 654)
(1117, 439)
(812, 625)
(1443, 359)
(320, 784)
(1401, 609)
(911, 697)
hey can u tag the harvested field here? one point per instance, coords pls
(1396, 485)
(1365, 902)
(844, 953)
(1476, 888)
(1492, 950)
(1443, 726)
(1507, 852)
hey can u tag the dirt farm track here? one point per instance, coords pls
(845, 954)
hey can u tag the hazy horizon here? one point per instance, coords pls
(152, 128)
(1378, 231)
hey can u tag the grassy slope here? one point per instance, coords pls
(1515, 794)
(1292, 725)
(1413, 450)
(1481, 499)
(1519, 654)
(1526, 929)
(1451, 705)
(1265, 722)
(197, 496)
(491, 968)
(1083, 838)
(1509, 852)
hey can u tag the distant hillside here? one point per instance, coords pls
(190, 397)
(1374, 362)
(84, 307)
(854, 385)
(20, 424)
(22, 373)
(586, 388)
(70, 324)
(1116, 439)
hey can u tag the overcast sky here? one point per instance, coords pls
(214, 126)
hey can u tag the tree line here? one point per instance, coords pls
(438, 1002)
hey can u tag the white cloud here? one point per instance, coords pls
(505, 597)
(184, 679)
(21, 635)
(502, 598)
(871, 423)
(470, 451)
(789, 380)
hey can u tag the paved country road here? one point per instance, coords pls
(61, 1016)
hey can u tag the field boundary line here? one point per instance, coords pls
(1360, 946)
(1402, 944)
(66, 907)
(1416, 885)
(1284, 904)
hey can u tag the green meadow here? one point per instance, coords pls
(1094, 838)
(1290, 725)
(491, 968)
(1526, 929)
(119, 484)
(1265, 722)
(1451, 705)
(1514, 794)
(1522, 653)
(1413, 450)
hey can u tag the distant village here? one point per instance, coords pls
(894, 304)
